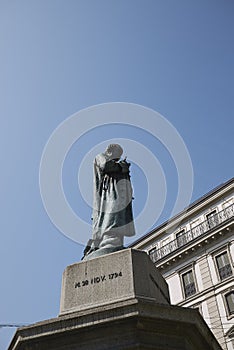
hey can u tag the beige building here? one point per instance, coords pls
(195, 253)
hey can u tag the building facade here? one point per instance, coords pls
(195, 253)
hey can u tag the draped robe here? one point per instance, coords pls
(112, 199)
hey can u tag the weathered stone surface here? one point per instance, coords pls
(129, 325)
(114, 277)
(127, 311)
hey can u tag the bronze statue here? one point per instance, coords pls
(112, 203)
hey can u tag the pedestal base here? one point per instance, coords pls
(129, 325)
(117, 302)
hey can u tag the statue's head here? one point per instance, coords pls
(114, 151)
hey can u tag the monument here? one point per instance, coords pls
(115, 299)
(112, 203)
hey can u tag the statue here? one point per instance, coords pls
(112, 203)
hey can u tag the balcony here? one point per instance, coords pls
(190, 236)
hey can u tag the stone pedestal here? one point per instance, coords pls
(117, 302)
(112, 278)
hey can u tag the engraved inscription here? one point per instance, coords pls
(98, 279)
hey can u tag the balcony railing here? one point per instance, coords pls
(187, 237)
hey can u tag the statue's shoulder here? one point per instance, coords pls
(100, 160)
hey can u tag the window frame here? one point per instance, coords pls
(211, 212)
(229, 315)
(218, 253)
(181, 274)
(182, 231)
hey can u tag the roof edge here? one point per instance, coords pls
(191, 206)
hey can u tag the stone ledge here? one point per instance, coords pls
(125, 309)
(132, 322)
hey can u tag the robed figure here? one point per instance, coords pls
(112, 203)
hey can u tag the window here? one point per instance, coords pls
(188, 283)
(212, 219)
(230, 302)
(223, 265)
(181, 239)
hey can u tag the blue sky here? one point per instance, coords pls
(59, 57)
